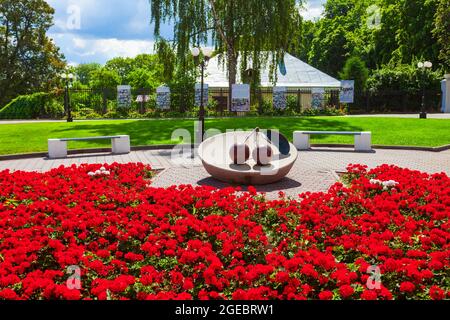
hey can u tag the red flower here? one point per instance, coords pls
(326, 295)
(128, 240)
(346, 291)
(188, 285)
(282, 277)
(407, 287)
(437, 293)
(8, 294)
(369, 295)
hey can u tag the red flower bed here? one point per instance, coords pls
(132, 241)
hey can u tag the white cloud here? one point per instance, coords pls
(312, 11)
(79, 43)
(84, 50)
(106, 29)
(110, 48)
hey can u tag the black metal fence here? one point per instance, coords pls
(396, 101)
(399, 101)
(103, 101)
(182, 102)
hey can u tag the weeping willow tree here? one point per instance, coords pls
(252, 32)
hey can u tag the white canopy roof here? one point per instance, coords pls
(299, 75)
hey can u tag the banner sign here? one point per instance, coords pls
(123, 96)
(198, 94)
(347, 94)
(240, 100)
(279, 98)
(163, 98)
(318, 97)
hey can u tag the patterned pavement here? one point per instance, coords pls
(314, 170)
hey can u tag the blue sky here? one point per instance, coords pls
(105, 29)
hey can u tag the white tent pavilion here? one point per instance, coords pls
(299, 75)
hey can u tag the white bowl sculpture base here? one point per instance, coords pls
(215, 155)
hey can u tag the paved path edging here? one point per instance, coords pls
(171, 146)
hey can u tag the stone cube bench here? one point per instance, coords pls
(57, 148)
(363, 140)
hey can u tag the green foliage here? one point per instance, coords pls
(143, 71)
(120, 66)
(167, 58)
(329, 48)
(414, 31)
(442, 31)
(29, 60)
(183, 87)
(407, 30)
(33, 106)
(355, 69)
(304, 37)
(339, 35)
(86, 113)
(402, 77)
(143, 78)
(150, 62)
(83, 72)
(104, 78)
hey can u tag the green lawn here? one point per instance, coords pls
(32, 137)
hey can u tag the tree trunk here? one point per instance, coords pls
(232, 72)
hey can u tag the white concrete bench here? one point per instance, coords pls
(363, 140)
(57, 148)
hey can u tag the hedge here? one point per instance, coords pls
(33, 106)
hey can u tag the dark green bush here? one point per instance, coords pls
(406, 78)
(34, 106)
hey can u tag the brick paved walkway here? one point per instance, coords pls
(313, 171)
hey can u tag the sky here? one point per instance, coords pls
(98, 30)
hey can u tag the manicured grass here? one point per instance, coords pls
(32, 137)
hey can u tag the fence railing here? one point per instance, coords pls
(103, 101)
(400, 101)
(143, 100)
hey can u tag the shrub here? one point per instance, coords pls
(355, 69)
(403, 77)
(399, 88)
(33, 106)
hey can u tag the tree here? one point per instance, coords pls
(122, 66)
(168, 59)
(355, 69)
(29, 60)
(329, 47)
(442, 31)
(104, 78)
(245, 28)
(415, 30)
(83, 72)
(125, 67)
(340, 34)
(141, 78)
(304, 37)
